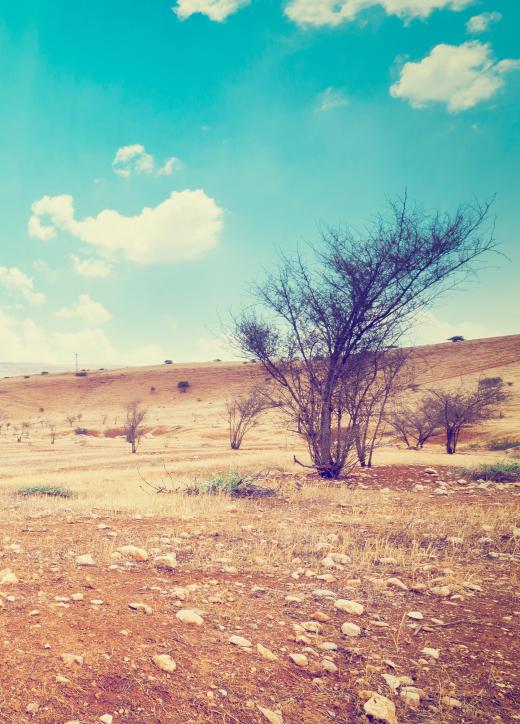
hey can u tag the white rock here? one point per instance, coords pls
(432, 653)
(350, 629)
(168, 562)
(266, 653)
(85, 560)
(7, 578)
(186, 615)
(415, 615)
(381, 708)
(349, 606)
(135, 553)
(271, 716)
(240, 641)
(299, 659)
(106, 719)
(164, 662)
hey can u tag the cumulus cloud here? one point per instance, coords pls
(330, 99)
(86, 310)
(459, 76)
(184, 226)
(335, 12)
(169, 166)
(16, 282)
(91, 267)
(23, 340)
(217, 10)
(132, 159)
(481, 23)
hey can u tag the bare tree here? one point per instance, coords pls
(415, 424)
(359, 296)
(242, 415)
(381, 376)
(459, 408)
(132, 428)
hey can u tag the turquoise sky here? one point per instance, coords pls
(154, 159)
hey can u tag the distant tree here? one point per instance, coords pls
(132, 428)
(242, 415)
(168, 362)
(358, 296)
(183, 385)
(415, 424)
(459, 408)
(456, 338)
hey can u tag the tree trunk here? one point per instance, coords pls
(134, 448)
(450, 441)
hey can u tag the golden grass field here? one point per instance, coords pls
(270, 571)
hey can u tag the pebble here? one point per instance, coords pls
(265, 653)
(85, 560)
(350, 629)
(299, 659)
(135, 553)
(381, 708)
(240, 641)
(352, 607)
(164, 662)
(186, 615)
(167, 562)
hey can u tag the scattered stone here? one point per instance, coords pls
(72, 660)
(265, 653)
(396, 583)
(140, 607)
(106, 719)
(415, 615)
(381, 708)
(240, 641)
(352, 607)
(451, 702)
(350, 629)
(299, 659)
(271, 716)
(85, 560)
(186, 615)
(432, 653)
(165, 663)
(135, 553)
(329, 666)
(168, 562)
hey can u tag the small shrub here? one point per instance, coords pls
(506, 444)
(80, 431)
(490, 381)
(183, 385)
(506, 472)
(231, 483)
(52, 491)
(82, 373)
(168, 362)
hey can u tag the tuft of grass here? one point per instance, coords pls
(506, 443)
(231, 483)
(53, 491)
(505, 472)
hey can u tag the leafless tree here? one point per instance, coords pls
(70, 419)
(459, 408)
(415, 424)
(242, 415)
(132, 428)
(359, 296)
(380, 377)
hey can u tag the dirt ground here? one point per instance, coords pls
(284, 573)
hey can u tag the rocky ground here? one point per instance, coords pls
(393, 599)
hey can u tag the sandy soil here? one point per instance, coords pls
(270, 571)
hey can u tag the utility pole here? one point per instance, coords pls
(76, 356)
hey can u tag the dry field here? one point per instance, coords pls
(402, 583)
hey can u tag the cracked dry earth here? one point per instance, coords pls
(385, 601)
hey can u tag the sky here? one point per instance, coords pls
(155, 158)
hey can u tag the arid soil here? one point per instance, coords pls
(392, 596)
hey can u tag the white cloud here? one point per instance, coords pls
(86, 310)
(43, 268)
(169, 166)
(330, 99)
(335, 12)
(132, 159)
(217, 10)
(184, 226)
(16, 282)
(459, 76)
(23, 340)
(481, 23)
(92, 267)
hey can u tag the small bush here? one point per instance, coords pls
(52, 491)
(183, 385)
(232, 483)
(80, 431)
(506, 472)
(506, 444)
(82, 373)
(490, 381)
